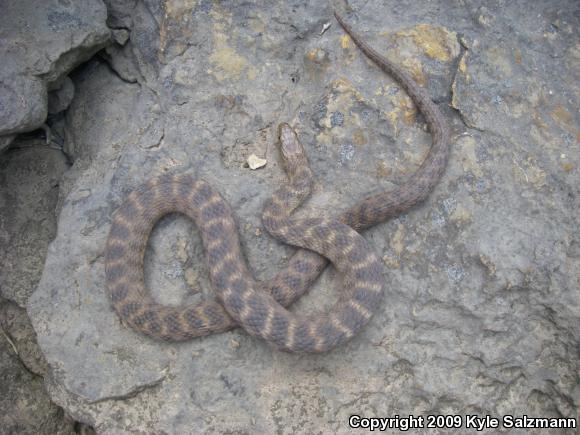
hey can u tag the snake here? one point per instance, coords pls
(261, 308)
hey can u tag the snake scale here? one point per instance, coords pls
(259, 307)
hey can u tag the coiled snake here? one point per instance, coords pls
(259, 308)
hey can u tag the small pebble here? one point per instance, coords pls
(255, 162)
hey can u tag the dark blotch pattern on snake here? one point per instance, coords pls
(259, 307)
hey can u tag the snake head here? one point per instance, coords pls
(291, 149)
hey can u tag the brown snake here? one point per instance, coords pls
(259, 308)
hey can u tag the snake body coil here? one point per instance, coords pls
(243, 301)
(243, 298)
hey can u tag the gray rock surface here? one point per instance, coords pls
(61, 96)
(19, 334)
(29, 177)
(29, 174)
(5, 141)
(26, 406)
(482, 304)
(40, 43)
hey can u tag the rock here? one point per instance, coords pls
(120, 13)
(18, 332)
(5, 141)
(32, 94)
(29, 178)
(121, 36)
(42, 41)
(481, 306)
(255, 162)
(60, 97)
(26, 407)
